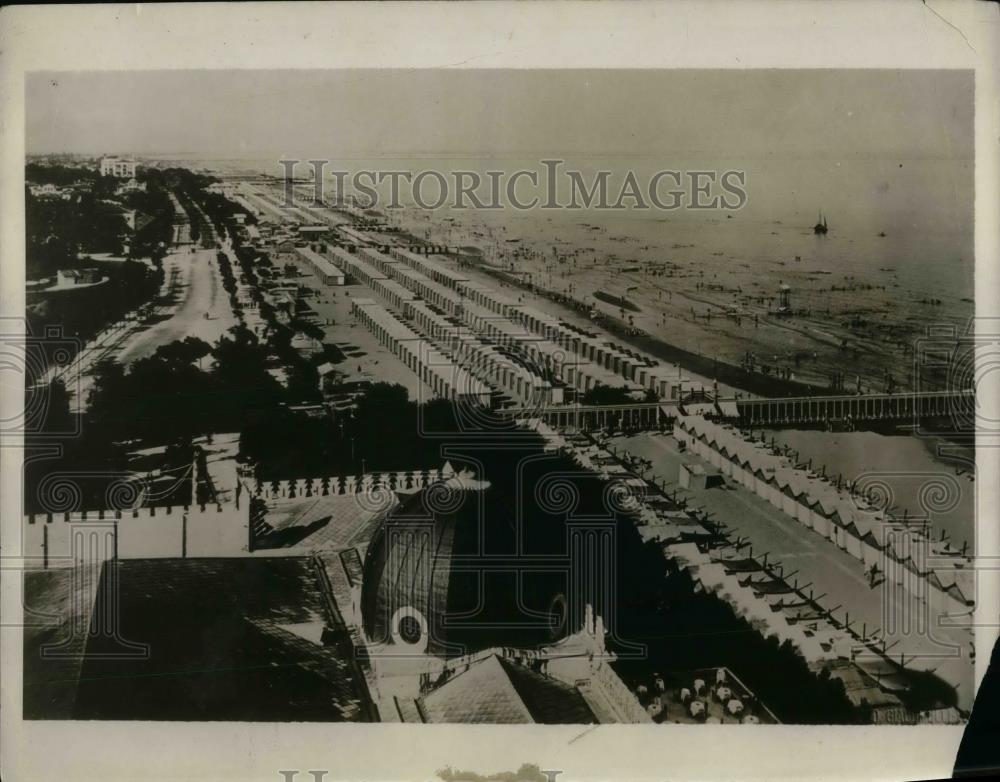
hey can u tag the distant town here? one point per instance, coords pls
(332, 468)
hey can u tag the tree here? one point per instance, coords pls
(607, 395)
(186, 351)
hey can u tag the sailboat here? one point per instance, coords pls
(820, 227)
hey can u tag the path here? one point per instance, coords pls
(831, 571)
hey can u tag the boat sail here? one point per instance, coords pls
(820, 227)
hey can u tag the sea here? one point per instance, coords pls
(924, 208)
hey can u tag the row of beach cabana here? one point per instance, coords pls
(608, 360)
(438, 371)
(757, 591)
(897, 550)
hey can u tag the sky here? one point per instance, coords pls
(680, 114)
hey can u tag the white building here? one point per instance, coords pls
(50, 191)
(130, 186)
(122, 168)
(68, 277)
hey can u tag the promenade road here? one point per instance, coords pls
(199, 292)
(194, 289)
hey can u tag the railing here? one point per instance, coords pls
(859, 407)
(855, 407)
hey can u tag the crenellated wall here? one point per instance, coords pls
(55, 539)
(346, 484)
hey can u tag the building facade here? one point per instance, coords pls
(121, 168)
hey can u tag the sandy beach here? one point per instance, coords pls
(690, 285)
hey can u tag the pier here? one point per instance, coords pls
(761, 412)
(859, 407)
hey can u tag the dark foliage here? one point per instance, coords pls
(607, 395)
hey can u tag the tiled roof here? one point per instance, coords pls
(498, 691)
(550, 701)
(482, 694)
(55, 603)
(330, 522)
(229, 639)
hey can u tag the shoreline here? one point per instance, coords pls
(724, 373)
(741, 380)
(861, 338)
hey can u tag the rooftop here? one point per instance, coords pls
(329, 522)
(228, 639)
(499, 691)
